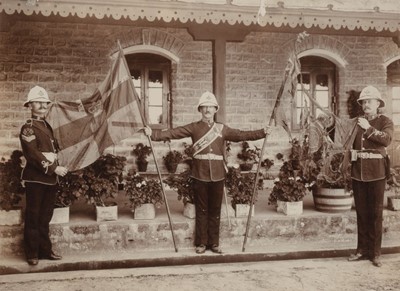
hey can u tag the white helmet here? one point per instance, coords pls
(370, 92)
(207, 99)
(37, 94)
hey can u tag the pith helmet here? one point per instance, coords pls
(207, 99)
(37, 94)
(370, 92)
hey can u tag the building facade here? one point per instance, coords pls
(176, 50)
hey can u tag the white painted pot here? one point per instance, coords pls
(106, 213)
(60, 215)
(11, 217)
(189, 210)
(145, 211)
(242, 210)
(292, 208)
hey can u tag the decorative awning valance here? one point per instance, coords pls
(355, 14)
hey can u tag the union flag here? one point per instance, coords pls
(86, 127)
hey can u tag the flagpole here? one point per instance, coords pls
(277, 102)
(155, 160)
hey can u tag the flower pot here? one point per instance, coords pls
(189, 210)
(11, 217)
(142, 166)
(246, 166)
(279, 206)
(393, 203)
(242, 210)
(171, 167)
(145, 211)
(332, 200)
(292, 208)
(60, 215)
(107, 213)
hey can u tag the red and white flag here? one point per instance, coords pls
(86, 127)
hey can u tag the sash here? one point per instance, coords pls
(208, 138)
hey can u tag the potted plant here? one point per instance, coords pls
(102, 179)
(248, 156)
(141, 152)
(240, 189)
(288, 191)
(69, 189)
(188, 154)
(393, 187)
(330, 181)
(144, 195)
(11, 189)
(172, 159)
(183, 185)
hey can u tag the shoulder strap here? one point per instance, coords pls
(208, 138)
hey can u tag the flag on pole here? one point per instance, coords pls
(294, 70)
(86, 127)
(280, 120)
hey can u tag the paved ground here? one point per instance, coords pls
(334, 274)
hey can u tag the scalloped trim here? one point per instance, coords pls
(215, 13)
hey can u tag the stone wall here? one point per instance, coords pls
(71, 59)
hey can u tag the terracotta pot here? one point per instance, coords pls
(107, 213)
(242, 210)
(171, 167)
(291, 208)
(11, 217)
(393, 203)
(142, 166)
(60, 215)
(145, 211)
(189, 210)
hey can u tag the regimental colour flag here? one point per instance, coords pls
(86, 127)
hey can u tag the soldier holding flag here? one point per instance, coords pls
(40, 176)
(208, 169)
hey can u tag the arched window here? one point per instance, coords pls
(318, 79)
(393, 82)
(151, 78)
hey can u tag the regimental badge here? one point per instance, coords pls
(28, 134)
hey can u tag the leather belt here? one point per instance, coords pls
(209, 157)
(369, 156)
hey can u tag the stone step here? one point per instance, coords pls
(269, 230)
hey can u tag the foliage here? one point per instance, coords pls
(11, 188)
(188, 151)
(70, 188)
(141, 152)
(266, 164)
(240, 186)
(247, 154)
(288, 186)
(393, 183)
(353, 108)
(102, 178)
(171, 159)
(183, 185)
(141, 190)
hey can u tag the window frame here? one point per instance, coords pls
(314, 72)
(144, 68)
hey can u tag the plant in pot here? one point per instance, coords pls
(240, 190)
(330, 180)
(144, 195)
(188, 154)
(69, 189)
(141, 152)
(290, 187)
(102, 179)
(183, 185)
(11, 188)
(248, 156)
(393, 187)
(172, 159)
